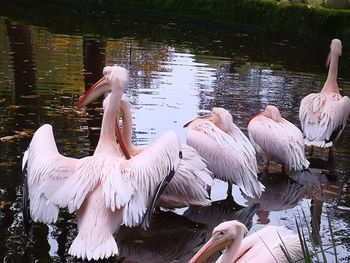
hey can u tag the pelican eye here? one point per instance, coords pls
(180, 154)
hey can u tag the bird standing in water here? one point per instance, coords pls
(229, 153)
(97, 187)
(277, 139)
(323, 115)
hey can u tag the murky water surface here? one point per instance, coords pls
(177, 71)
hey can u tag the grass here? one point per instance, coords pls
(311, 251)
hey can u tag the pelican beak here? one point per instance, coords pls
(214, 244)
(97, 90)
(199, 117)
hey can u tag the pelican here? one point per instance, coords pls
(192, 180)
(275, 138)
(230, 155)
(323, 115)
(97, 187)
(262, 246)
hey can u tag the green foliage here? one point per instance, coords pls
(267, 16)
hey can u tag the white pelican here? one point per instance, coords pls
(192, 180)
(229, 153)
(97, 187)
(262, 246)
(275, 138)
(323, 115)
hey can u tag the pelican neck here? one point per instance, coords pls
(107, 135)
(331, 84)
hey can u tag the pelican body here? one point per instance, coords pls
(323, 115)
(98, 187)
(277, 139)
(229, 153)
(262, 246)
(192, 181)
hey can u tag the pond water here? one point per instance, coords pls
(178, 70)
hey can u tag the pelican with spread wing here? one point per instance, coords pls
(98, 188)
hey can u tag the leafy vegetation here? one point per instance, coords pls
(268, 16)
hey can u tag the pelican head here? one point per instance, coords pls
(336, 47)
(114, 77)
(336, 50)
(219, 116)
(224, 235)
(114, 80)
(222, 118)
(273, 113)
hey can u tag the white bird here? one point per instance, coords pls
(229, 153)
(97, 187)
(262, 246)
(192, 180)
(277, 139)
(323, 115)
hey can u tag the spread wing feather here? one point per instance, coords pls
(190, 183)
(51, 179)
(147, 169)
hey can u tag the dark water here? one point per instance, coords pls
(177, 71)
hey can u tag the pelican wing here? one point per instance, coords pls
(147, 170)
(323, 117)
(51, 177)
(242, 142)
(281, 141)
(225, 157)
(190, 184)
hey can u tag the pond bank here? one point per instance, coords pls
(268, 16)
(294, 21)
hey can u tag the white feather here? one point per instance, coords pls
(147, 169)
(230, 156)
(280, 141)
(320, 114)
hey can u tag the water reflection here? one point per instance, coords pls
(176, 73)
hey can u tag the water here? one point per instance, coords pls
(177, 71)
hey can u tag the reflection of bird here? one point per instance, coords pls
(281, 193)
(219, 211)
(263, 245)
(97, 187)
(275, 138)
(170, 237)
(323, 115)
(230, 155)
(318, 186)
(192, 180)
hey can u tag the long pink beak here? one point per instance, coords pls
(209, 249)
(97, 90)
